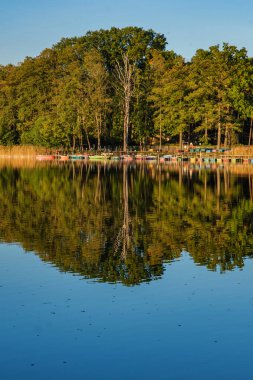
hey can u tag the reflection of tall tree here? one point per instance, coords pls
(122, 242)
(226, 181)
(218, 187)
(126, 218)
(251, 187)
(98, 186)
(205, 186)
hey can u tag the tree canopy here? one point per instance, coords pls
(120, 87)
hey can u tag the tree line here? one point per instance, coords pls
(122, 87)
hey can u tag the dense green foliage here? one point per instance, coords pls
(121, 223)
(120, 87)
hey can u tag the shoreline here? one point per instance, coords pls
(194, 154)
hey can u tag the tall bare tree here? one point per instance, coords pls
(125, 74)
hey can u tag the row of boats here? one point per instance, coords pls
(102, 157)
(141, 157)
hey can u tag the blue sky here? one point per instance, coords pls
(29, 26)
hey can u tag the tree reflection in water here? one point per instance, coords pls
(122, 222)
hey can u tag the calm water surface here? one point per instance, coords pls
(126, 272)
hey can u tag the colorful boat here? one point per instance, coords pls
(78, 157)
(63, 158)
(45, 157)
(166, 157)
(115, 158)
(126, 157)
(97, 157)
(235, 160)
(184, 159)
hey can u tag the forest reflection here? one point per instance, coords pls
(122, 222)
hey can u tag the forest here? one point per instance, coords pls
(121, 88)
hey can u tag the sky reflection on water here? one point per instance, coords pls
(194, 323)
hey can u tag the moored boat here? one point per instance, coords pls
(166, 157)
(236, 160)
(126, 157)
(63, 158)
(115, 158)
(78, 157)
(45, 157)
(97, 157)
(150, 158)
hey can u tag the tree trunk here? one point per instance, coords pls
(98, 124)
(226, 136)
(181, 140)
(206, 132)
(250, 131)
(73, 141)
(126, 121)
(81, 140)
(160, 128)
(87, 136)
(125, 74)
(219, 130)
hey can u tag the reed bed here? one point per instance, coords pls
(22, 151)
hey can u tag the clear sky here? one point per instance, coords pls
(29, 26)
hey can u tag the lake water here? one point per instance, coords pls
(136, 271)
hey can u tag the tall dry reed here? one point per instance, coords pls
(22, 151)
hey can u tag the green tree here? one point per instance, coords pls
(8, 106)
(214, 73)
(169, 95)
